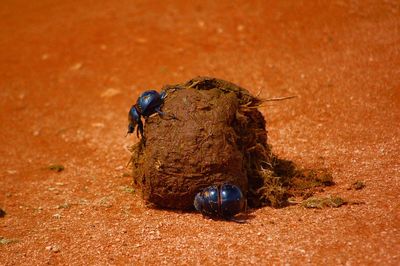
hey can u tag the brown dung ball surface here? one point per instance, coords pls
(218, 136)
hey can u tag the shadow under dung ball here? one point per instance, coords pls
(218, 136)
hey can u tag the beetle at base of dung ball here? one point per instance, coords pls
(221, 201)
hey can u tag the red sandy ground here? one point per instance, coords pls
(341, 58)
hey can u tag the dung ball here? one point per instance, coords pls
(211, 133)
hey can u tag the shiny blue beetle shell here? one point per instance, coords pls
(223, 201)
(149, 102)
(232, 200)
(207, 201)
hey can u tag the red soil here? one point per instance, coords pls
(59, 62)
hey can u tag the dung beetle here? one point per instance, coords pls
(220, 201)
(148, 103)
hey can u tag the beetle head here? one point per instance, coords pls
(133, 119)
(199, 202)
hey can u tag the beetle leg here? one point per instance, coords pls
(173, 116)
(163, 95)
(140, 128)
(162, 114)
(159, 111)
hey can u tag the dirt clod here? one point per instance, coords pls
(2, 213)
(319, 203)
(5, 241)
(358, 185)
(53, 248)
(56, 167)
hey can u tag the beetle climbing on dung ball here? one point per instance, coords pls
(148, 103)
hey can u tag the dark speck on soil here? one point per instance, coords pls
(2, 213)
